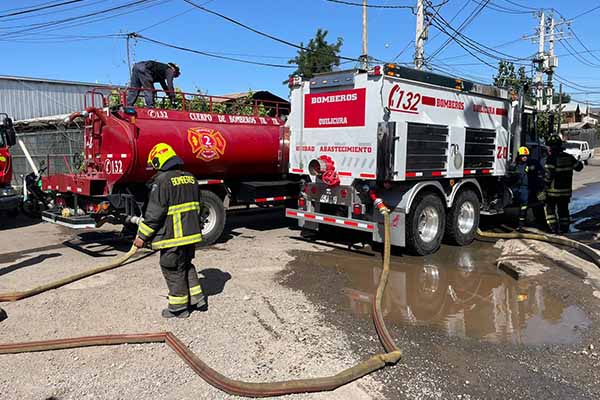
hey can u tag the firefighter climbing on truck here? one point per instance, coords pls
(145, 74)
(559, 185)
(172, 226)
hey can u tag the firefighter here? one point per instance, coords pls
(145, 73)
(559, 185)
(172, 225)
(525, 174)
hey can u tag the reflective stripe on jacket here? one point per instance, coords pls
(172, 215)
(559, 174)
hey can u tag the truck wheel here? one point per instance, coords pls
(462, 220)
(425, 225)
(212, 217)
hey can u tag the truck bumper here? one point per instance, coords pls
(74, 222)
(9, 202)
(356, 224)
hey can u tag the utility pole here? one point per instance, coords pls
(128, 55)
(539, 80)
(364, 58)
(420, 36)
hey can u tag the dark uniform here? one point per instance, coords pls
(559, 186)
(145, 74)
(525, 175)
(172, 224)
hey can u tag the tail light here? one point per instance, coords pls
(302, 203)
(375, 71)
(313, 190)
(357, 209)
(344, 193)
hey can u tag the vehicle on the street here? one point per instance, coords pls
(9, 198)
(434, 149)
(238, 155)
(579, 149)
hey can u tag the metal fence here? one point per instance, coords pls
(592, 136)
(59, 148)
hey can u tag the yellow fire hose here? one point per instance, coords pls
(560, 240)
(117, 262)
(214, 378)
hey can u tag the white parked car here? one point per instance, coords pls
(579, 149)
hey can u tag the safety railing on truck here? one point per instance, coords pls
(192, 102)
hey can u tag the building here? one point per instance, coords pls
(271, 103)
(25, 98)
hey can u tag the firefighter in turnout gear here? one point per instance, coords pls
(559, 185)
(525, 174)
(172, 225)
(145, 74)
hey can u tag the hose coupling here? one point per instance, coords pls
(378, 203)
(134, 220)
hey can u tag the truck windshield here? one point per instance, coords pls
(572, 146)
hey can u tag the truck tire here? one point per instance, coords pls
(425, 225)
(212, 215)
(462, 219)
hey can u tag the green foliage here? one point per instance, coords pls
(319, 56)
(514, 80)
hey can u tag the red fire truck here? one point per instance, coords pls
(238, 159)
(9, 198)
(432, 147)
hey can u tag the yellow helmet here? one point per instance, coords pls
(523, 151)
(160, 154)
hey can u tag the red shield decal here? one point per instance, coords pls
(207, 144)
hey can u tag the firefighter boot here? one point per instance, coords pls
(167, 313)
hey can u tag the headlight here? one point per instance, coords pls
(8, 191)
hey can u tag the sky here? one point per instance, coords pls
(85, 51)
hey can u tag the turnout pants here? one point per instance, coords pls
(141, 78)
(560, 205)
(522, 197)
(181, 277)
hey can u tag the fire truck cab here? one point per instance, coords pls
(433, 148)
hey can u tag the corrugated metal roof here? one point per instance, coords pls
(25, 98)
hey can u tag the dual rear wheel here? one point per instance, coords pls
(428, 223)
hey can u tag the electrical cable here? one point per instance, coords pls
(267, 35)
(350, 3)
(585, 12)
(207, 54)
(40, 8)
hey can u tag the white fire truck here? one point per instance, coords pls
(433, 148)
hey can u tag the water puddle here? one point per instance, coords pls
(584, 198)
(460, 292)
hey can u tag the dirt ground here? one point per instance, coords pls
(281, 308)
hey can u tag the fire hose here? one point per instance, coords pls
(231, 386)
(560, 240)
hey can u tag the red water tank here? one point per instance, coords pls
(212, 146)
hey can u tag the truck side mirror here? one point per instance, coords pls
(11, 138)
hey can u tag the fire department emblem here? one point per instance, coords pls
(207, 144)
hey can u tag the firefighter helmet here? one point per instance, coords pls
(554, 141)
(523, 151)
(175, 67)
(159, 155)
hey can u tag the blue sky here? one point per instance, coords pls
(58, 54)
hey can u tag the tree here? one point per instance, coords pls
(514, 80)
(318, 56)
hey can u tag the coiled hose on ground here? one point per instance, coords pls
(237, 387)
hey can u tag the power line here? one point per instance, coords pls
(171, 18)
(87, 4)
(40, 8)
(207, 54)
(267, 35)
(350, 3)
(474, 13)
(586, 12)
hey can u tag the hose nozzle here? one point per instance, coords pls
(378, 203)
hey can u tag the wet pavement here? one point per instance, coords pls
(457, 291)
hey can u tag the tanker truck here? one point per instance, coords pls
(9, 198)
(435, 149)
(239, 156)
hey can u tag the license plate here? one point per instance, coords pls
(327, 198)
